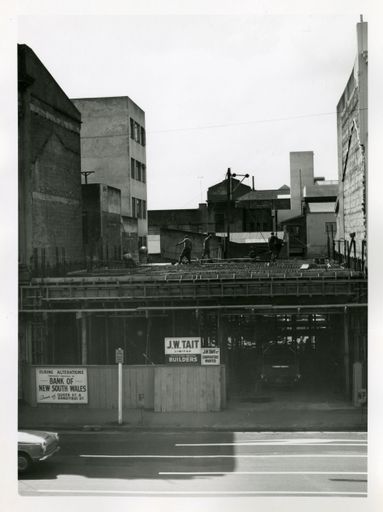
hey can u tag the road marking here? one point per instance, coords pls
(284, 442)
(202, 493)
(237, 456)
(262, 473)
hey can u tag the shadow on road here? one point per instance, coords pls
(141, 456)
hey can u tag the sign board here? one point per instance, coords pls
(119, 355)
(210, 356)
(62, 385)
(183, 350)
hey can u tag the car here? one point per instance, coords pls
(35, 446)
(280, 366)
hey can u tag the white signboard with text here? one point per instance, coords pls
(210, 355)
(62, 385)
(183, 350)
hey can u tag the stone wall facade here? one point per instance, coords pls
(353, 150)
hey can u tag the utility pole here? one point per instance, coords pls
(86, 174)
(229, 198)
(228, 212)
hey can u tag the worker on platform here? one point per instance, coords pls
(272, 242)
(186, 251)
(206, 246)
(128, 260)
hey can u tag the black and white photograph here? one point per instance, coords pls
(192, 258)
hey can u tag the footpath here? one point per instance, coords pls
(237, 416)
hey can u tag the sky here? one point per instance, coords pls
(218, 91)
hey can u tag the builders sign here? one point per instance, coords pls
(183, 350)
(210, 356)
(62, 385)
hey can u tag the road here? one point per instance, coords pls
(188, 464)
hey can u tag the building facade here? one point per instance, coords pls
(101, 222)
(301, 175)
(50, 225)
(352, 119)
(113, 151)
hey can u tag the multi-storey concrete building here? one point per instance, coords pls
(352, 115)
(113, 152)
(50, 225)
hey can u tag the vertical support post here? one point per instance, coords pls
(328, 246)
(173, 323)
(220, 338)
(84, 355)
(106, 324)
(124, 337)
(346, 352)
(119, 393)
(148, 334)
(356, 383)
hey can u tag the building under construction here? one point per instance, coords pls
(249, 312)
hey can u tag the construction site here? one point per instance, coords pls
(291, 330)
(102, 287)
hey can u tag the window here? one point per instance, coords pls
(142, 241)
(331, 228)
(138, 175)
(132, 164)
(139, 208)
(137, 132)
(131, 128)
(138, 170)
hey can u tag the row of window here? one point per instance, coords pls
(138, 208)
(137, 132)
(138, 170)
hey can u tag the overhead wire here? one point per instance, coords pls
(223, 125)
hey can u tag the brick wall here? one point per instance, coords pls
(56, 191)
(49, 168)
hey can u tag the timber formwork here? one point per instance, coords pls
(223, 284)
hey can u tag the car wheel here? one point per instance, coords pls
(23, 462)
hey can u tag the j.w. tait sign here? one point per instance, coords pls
(183, 350)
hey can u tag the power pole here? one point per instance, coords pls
(229, 197)
(228, 212)
(86, 174)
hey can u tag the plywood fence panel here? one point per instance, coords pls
(103, 386)
(187, 388)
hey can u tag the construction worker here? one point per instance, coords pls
(273, 242)
(206, 246)
(186, 251)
